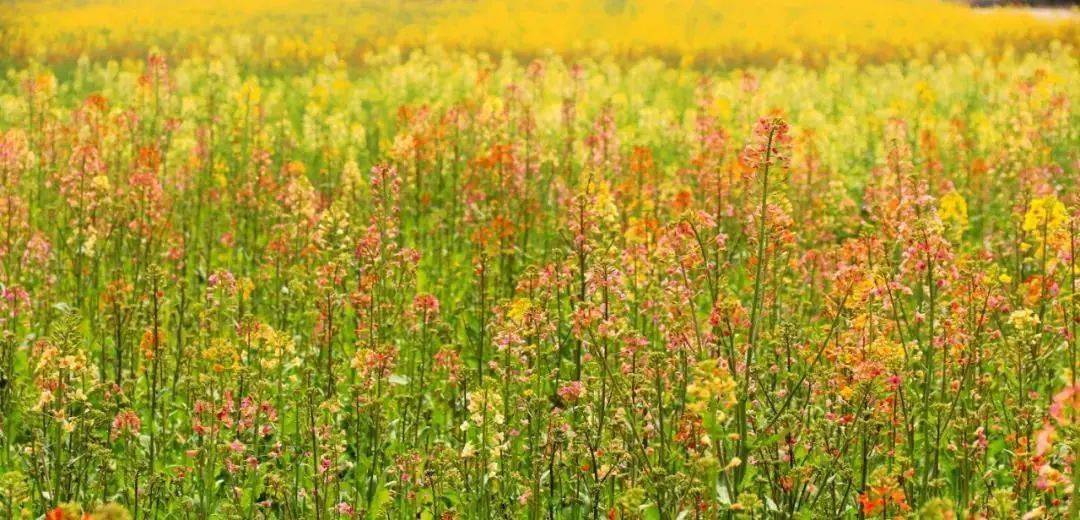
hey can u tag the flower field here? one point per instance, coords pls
(435, 271)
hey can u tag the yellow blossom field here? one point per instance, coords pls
(619, 259)
(279, 33)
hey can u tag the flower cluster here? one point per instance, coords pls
(449, 285)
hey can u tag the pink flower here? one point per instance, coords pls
(344, 509)
(126, 422)
(572, 392)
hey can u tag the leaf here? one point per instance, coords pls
(722, 494)
(649, 511)
(378, 503)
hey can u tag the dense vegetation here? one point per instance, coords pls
(445, 285)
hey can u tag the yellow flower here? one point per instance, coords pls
(249, 93)
(889, 352)
(710, 385)
(1045, 215)
(926, 93)
(1023, 319)
(952, 209)
(101, 183)
(846, 392)
(519, 308)
(722, 108)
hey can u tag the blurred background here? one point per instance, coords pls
(290, 33)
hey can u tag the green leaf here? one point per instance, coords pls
(649, 511)
(378, 503)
